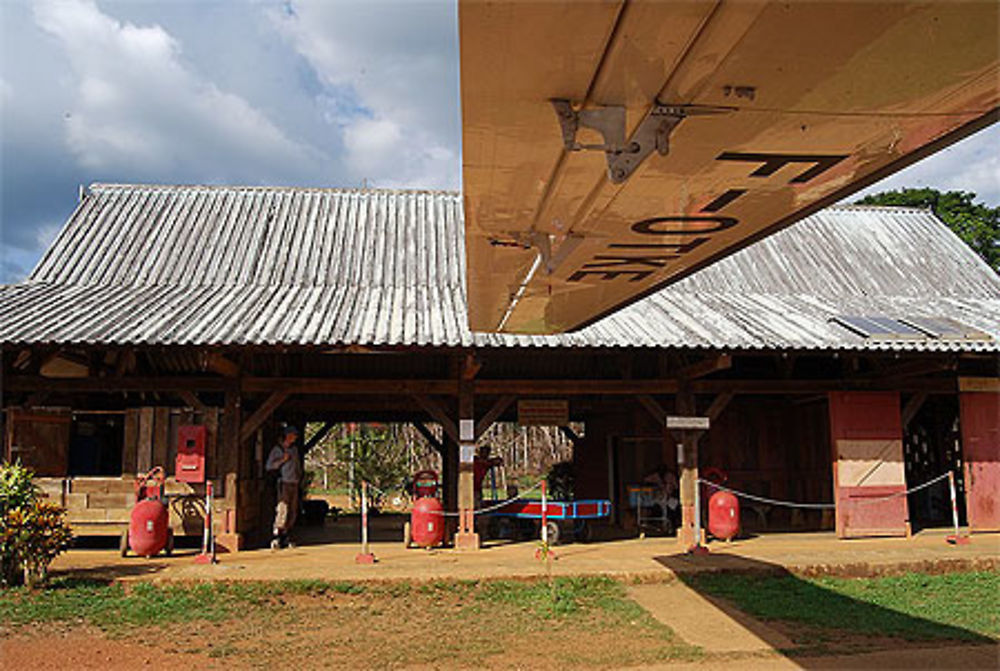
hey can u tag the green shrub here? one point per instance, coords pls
(33, 531)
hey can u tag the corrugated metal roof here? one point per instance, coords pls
(232, 265)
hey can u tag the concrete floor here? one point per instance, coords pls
(641, 560)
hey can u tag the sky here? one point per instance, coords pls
(293, 92)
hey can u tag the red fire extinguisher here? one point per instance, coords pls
(149, 528)
(723, 509)
(426, 526)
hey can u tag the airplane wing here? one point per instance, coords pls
(611, 147)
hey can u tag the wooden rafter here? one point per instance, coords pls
(487, 387)
(261, 414)
(486, 421)
(217, 363)
(438, 414)
(718, 404)
(570, 434)
(706, 367)
(429, 436)
(654, 409)
(192, 400)
(318, 436)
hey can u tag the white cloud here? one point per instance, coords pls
(46, 234)
(400, 61)
(138, 109)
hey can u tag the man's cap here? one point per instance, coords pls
(289, 430)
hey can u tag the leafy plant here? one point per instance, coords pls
(33, 531)
(376, 456)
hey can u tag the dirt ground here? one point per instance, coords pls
(344, 631)
(437, 630)
(361, 632)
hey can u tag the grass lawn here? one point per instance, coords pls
(580, 622)
(955, 606)
(569, 623)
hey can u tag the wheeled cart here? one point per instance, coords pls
(564, 519)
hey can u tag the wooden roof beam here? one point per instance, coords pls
(719, 404)
(487, 420)
(429, 436)
(706, 367)
(438, 414)
(262, 413)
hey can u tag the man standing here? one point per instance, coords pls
(284, 459)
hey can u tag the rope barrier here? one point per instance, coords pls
(481, 511)
(764, 499)
(819, 506)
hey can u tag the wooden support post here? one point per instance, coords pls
(912, 407)
(687, 462)
(449, 477)
(229, 463)
(466, 538)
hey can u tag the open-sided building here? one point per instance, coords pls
(846, 358)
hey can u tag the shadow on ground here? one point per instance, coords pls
(819, 620)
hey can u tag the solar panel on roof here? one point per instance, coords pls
(944, 327)
(896, 328)
(877, 326)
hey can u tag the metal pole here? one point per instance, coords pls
(545, 516)
(954, 504)
(208, 517)
(365, 556)
(364, 517)
(350, 475)
(211, 519)
(697, 513)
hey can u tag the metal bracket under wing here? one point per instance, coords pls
(653, 132)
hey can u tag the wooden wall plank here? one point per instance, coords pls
(144, 454)
(161, 438)
(131, 442)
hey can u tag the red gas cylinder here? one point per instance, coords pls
(147, 528)
(723, 515)
(427, 522)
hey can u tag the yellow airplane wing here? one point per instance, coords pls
(613, 147)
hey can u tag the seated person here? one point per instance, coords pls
(665, 490)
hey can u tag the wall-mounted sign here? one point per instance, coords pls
(543, 412)
(467, 452)
(978, 384)
(690, 423)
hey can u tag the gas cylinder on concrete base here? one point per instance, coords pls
(723, 515)
(427, 522)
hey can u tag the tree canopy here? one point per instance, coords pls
(977, 224)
